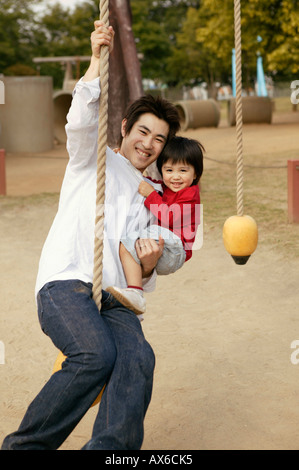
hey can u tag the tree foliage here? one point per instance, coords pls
(179, 41)
(205, 42)
(17, 29)
(285, 56)
(155, 24)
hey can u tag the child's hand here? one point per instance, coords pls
(145, 189)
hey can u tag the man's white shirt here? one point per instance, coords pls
(68, 252)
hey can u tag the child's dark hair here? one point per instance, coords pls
(183, 150)
(157, 106)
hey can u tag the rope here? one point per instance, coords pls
(101, 162)
(263, 167)
(239, 116)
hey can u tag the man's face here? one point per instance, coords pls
(146, 140)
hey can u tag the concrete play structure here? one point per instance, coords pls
(198, 113)
(62, 98)
(26, 116)
(32, 115)
(205, 113)
(256, 109)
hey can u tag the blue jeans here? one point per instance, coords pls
(107, 348)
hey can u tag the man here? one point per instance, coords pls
(107, 348)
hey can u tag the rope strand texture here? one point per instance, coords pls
(101, 162)
(239, 113)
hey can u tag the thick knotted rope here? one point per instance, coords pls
(239, 115)
(101, 162)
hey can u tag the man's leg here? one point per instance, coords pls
(119, 423)
(72, 320)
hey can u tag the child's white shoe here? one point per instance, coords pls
(131, 298)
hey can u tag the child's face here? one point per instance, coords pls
(177, 176)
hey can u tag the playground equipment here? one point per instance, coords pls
(206, 113)
(240, 233)
(26, 118)
(62, 99)
(198, 113)
(261, 83)
(240, 237)
(255, 109)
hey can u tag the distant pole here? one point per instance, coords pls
(260, 77)
(234, 72)
(261, 82)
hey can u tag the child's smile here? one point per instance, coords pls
(177, 176)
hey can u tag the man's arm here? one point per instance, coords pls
(148, 250)
(82, 118)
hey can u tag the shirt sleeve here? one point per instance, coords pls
(149, 283)
(82, 124)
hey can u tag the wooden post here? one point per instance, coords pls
(2, 173)
(129, 50)
(293, 191)
(125, 81)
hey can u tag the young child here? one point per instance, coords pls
(177, 218)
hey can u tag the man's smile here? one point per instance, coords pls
(142, 153)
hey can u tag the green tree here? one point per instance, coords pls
(204, 44)
(155, 25)
(180, 41)
(259, 18)
(186, 62)
(196, 56)
(66, 31)
(63, 33)
(285, 56)
(16, 32)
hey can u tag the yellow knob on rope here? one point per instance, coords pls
(240, 237)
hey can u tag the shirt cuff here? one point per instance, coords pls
(149, 283)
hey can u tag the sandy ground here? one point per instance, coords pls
(222, 333)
